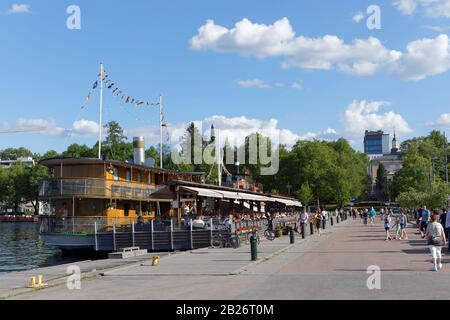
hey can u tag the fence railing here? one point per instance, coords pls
(96, 188)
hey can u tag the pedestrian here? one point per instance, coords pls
(425, 215)
(443, 218)
(373, 214)
(303, 222)
(436, 239)
(403, 225)
(387, 225)
(318, 221)
(325, 218)
(365, 216)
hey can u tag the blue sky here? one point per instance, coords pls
(47, 69)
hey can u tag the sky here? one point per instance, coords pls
(289, 69)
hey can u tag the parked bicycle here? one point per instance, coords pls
(253, 233)
(225, 241)
(269, 234)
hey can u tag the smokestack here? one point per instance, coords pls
(138, 150)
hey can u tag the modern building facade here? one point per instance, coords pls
(376, 144)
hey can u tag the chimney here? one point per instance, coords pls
(138, 150)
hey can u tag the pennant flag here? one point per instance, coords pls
(95, 85)
(102, 72)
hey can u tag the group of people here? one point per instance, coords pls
(434, 227)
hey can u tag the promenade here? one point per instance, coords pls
(333, 266)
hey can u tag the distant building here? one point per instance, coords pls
(28, 161)
(376, 144)
(392, 161)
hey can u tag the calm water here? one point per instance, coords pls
(21, 248)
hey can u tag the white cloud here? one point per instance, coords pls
(360, 57)
(254, 83)
(358, 17)
(442, 122)
(406, 7)
(297, 85)
(430, 8)
(365, 115)
(19, 8)
(48, 127)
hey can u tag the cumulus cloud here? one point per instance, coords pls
(430, 8)
(361, 57)
(254, 83)
(233, 129)
(358, 17)
(442, 122)
(365, 115)
(19, 8)
(48, 127)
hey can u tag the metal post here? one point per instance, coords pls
(160, 131)
(292, 235)
(311, 228)
(114, 234)
(132, 231)
(171, 234)
(192, 240)
(73, 214)
(211, 225)
(152, 231)
(446, 159)
(95, 232)
(254, 248)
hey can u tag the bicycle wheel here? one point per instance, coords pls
(235, 241)
(269, 234)
(217, 242)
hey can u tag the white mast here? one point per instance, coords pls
(161, 131)
(101, 111)
(219, 159)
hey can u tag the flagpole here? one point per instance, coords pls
(161, 131)
(219, 159)
(101, 111)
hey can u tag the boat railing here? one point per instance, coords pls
(92, 225)
(95, 188)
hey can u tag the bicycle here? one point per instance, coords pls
(221, 241)
(253, 233)
(269, 234)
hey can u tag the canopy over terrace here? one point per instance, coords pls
(191, 192)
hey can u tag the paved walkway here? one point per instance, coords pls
(332, 266)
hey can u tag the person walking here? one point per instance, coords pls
(425, 218)
(365, 216)
(373, 214)
(318, 221)
(303, 222)
(436, 239)
(387, 225)
(403, 225)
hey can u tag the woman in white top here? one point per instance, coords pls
(436, 239)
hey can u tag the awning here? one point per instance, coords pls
(289, 203)
(255, 197)
(208, 193)
(231, 195)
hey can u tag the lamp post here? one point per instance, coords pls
(237, 164)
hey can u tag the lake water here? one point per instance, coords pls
(21, 248)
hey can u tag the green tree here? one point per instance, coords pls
(15, 153)
(35, 177)
(78, 151)
(305, 194)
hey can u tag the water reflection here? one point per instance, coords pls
(21, 248)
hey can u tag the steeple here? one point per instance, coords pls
(394, 143)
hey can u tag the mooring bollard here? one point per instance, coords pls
(292, 235)
(155, 261)
(311, 228)
(254, 248)
(302, 227)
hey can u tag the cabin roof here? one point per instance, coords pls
(53, 162)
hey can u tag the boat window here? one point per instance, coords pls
(116, 174)
(126, 210)
(128, 175)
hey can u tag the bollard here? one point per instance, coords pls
(33, 282)
(324, 224)
(254, 248)
(40, 280)
(302, 226)
(292, 235)
(155, 261)
(337, 217)
(332, 221)
(311, 228)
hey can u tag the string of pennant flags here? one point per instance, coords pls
(124, 98)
